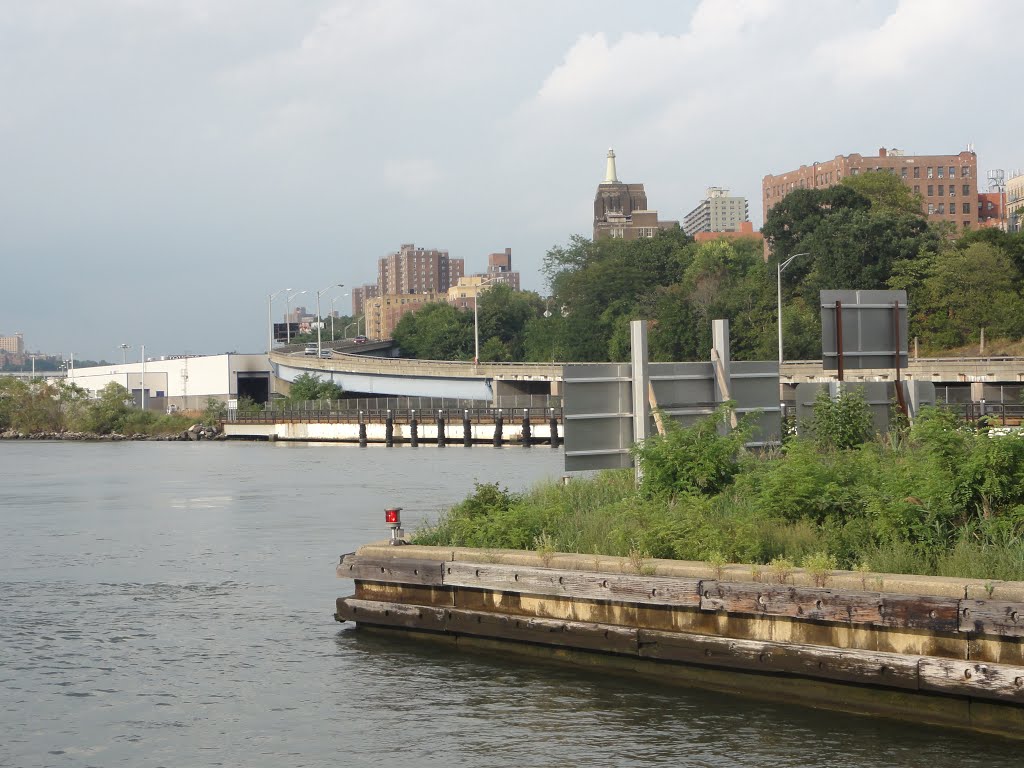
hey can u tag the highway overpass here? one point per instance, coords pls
(995, 379)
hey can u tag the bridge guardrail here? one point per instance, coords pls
(476, 415)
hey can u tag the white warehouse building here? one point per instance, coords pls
(184, 383)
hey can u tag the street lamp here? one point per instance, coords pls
(319, 318)
(288, 314)
(124, 362)
(270, 317)
(782, 266)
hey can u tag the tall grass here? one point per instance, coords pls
(942, 500)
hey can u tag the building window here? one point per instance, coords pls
(967, 208)
(967, 189)
(917, 172)
(941, 172)
(931, 208)
(929, 172)
(952, 172)
(917, 189)
(967, 225)
(615, 232)
(931, 190)
(952, 190)
(903, 173)
(942, 188)
(942, 208)
(965, 171)
(854, 171)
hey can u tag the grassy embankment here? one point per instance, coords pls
(940, 498)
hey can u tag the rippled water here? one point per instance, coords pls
(168, 604)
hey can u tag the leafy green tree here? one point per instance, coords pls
(309, 386)
(107, 413)
(887, 193)
(691, 460)
(842, 423)
(966, 290)
(436, 331)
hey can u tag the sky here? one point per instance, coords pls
(167, 165)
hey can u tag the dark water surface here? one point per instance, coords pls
(168, 604)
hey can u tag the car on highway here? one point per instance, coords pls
(325, 353)
(360, 340)
(310, 349)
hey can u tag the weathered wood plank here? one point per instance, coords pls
(650, 590)
(390, 614)
(391, 570)
(572, 634)
(815, 604)
(969, 678)
(847, 664)
(992, 617)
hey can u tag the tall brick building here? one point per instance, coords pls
(620, 210)
(947, 183)
(418, 270)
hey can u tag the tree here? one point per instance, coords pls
(107, 413)
(436, 331)
(887, 193)
(308, 386)
(966, 290)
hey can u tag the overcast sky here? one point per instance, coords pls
(167, 164)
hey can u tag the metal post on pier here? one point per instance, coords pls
(553, 427)
(414, 437)
(441, 439)
(527, 431)
(467, 430)
(362, 431)
(497, 429)
(389, 430)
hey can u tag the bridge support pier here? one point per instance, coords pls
(389, 430)
(467, 430)
(527, 430)
(497, 429)
(441, 438)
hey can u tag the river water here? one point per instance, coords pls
(169, 604)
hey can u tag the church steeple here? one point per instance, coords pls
(610, 176)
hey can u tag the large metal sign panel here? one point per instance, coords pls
(598, 413)
(874, 329)
(598, 407)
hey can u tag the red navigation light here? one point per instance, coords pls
(391, 516)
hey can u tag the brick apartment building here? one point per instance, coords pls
(384, 312)
(620, 210)
(417, 270)
(360, 295)
(947, 183)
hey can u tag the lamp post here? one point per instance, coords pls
(142, 355)
(270, 317)
(344, 332)
(781, 267)
(288, 314)
(319, 318)
(124, 363)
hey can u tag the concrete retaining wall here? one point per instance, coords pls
(943, 651)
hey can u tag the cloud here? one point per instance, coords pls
(414, 177)
(920, 38)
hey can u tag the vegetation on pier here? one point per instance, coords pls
(937, 498)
